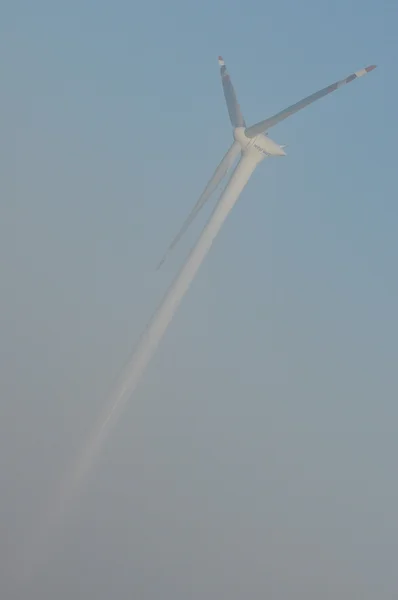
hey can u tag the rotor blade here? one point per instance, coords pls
(219, 174)
(264, 125)
(235, 114)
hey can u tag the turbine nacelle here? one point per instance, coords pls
(259, 147)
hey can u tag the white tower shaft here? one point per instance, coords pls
(135, 368)
(156, 328)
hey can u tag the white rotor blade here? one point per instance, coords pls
(234, 111)
(267, 123)
(219, 174)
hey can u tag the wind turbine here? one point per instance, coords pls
(251, 143)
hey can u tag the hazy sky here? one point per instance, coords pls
(258, 458)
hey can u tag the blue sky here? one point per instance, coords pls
(259, 455)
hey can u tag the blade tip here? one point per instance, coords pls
(221, 61)
(361, 73)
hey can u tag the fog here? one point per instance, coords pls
(258, 455)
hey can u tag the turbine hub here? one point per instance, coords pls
(241, 138)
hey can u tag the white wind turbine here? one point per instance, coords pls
(253, 145)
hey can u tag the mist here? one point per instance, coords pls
(258, 455)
